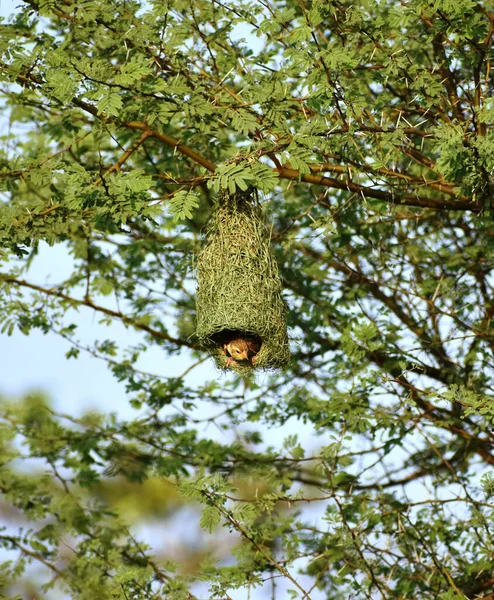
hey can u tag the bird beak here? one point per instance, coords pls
(245, 355)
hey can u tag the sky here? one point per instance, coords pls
(37, 363)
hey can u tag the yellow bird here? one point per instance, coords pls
(241, 349)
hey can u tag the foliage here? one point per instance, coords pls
(367, 129)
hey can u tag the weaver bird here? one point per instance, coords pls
(241, 349)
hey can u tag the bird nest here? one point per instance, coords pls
(239, 287)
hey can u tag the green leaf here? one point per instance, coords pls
(210, 518)
(183, 203)
(110, 103)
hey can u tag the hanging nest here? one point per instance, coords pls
(239, 287)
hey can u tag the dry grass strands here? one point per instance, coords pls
(239, 288)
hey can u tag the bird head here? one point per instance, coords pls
(239, 353)
(238, 349)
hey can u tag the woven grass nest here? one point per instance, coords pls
(239, 287)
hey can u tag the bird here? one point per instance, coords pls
(241, 349)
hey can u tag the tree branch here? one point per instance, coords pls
(163, 137)
(389, 197)
(107, 311)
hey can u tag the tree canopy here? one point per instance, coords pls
(366, 129)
